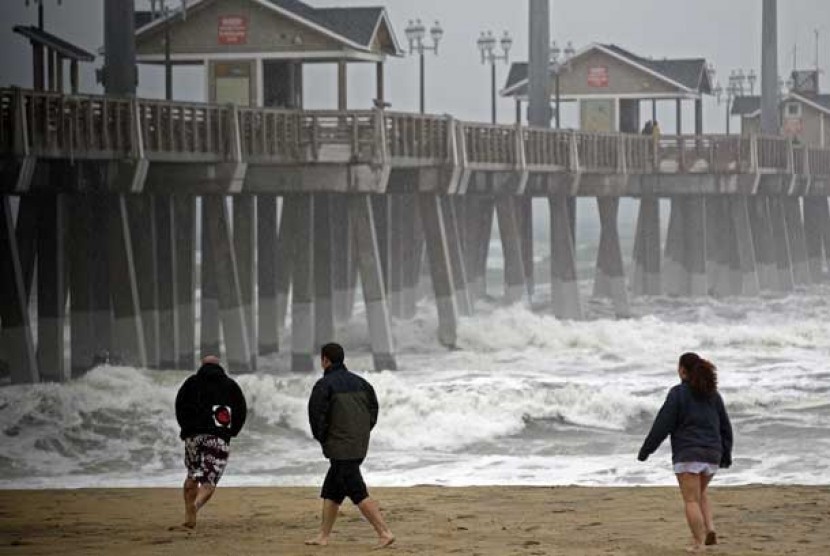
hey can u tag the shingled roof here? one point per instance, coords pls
(750, 106)
(356, 26)
(688, 74)
(50, 41)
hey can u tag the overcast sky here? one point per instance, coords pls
(726, 32)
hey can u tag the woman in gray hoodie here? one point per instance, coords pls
(695, 417)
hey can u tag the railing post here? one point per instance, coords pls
(521, 159)
(622, 162)
(234, 153)
(754, 161)
(574, 162)
(790, 156)
(21, 125)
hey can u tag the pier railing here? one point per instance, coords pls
(50, 125)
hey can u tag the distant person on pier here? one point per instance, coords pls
(695, 417)
(342, 411)
(211, 410)
(648, 129)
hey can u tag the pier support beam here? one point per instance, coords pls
(14, 311)
(217, 220)
(440, 268)
(685, 268)
(184, 209)
(813, 240)
(647, 256)
(210, 343)
(479, 223)
(798, 243)
(342, 259)
(564, 281)
(459, 273)
(285, 260)
(304, 349)
(169, 326)
(524, 220)
(82, 347)
(51, 287)
(244, 241)
(515, 286)
(781, 241)
(746, 263)
(144, 230)
(610, 272)
(395, 255)
(267, 265)
(128, 343)
(368, 261)
(100, 280)
(721, 249)
(759, 219)
(413, 254)
(322, 247)
(823, 214)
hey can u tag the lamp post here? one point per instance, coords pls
(416, 32)
(560, 60)
(487, 46)
(733, 90)
(165, 12)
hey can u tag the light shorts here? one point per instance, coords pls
(696, 468)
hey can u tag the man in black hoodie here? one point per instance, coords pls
(342, 412)
(211, 410)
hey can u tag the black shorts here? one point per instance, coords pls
(344, 480)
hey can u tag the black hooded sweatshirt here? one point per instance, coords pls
(699, 427)
(211, 403)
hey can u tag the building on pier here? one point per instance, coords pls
(50, 75)
(610, 84)
(253, 51)
(805, 112)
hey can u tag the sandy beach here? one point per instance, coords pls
(426, 520)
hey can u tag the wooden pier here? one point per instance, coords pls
(127, 208)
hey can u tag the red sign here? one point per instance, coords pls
(793, 126)
(233, 29)
(598, 76)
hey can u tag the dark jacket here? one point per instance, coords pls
(699, 427)
(210, 402)
(342, 412)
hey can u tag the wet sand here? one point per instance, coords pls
(427, 520)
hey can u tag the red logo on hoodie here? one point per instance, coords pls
(222, 416)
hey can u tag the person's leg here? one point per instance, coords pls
(191, 490)
(690, 489)
(332, 495)
(706, 510)
(357, 491)
(371, 511)
(206, 491)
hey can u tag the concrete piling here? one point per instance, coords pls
(647, 256)
(564, 279)
(440, 268)
(610, 272)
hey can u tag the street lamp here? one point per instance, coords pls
(487, 46)
(165, 12)
(416, 32)
(560, 60)
(733, 90)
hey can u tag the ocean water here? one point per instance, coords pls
(525, 400)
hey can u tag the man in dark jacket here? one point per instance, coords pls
(342, 411)
(211, 410)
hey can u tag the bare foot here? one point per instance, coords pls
(696, 549)
(190, 512)
(319, 541)
(385, 542)
(711, 538)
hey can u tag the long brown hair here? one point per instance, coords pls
(702, 374)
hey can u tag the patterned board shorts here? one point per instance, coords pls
(206, 458)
